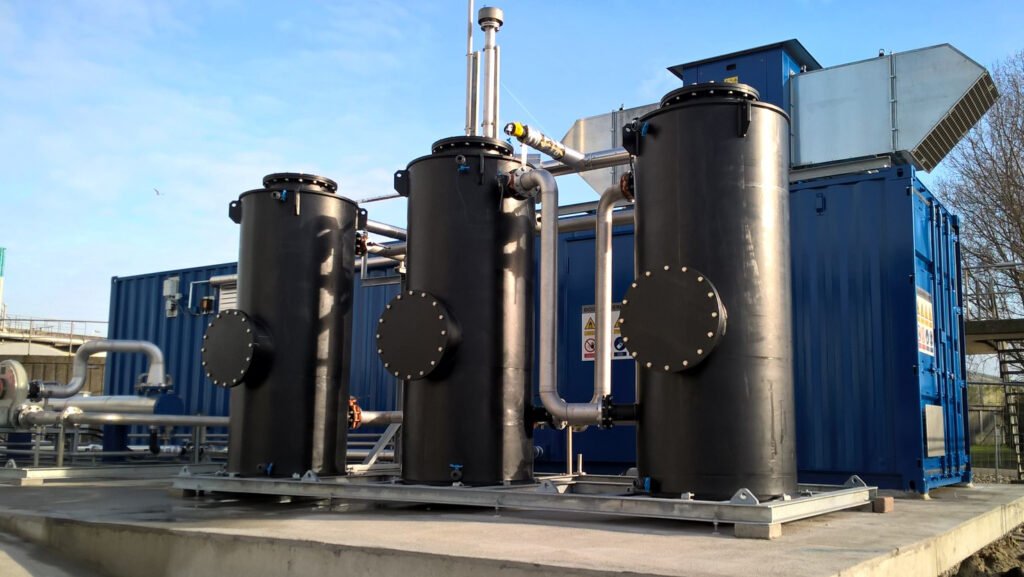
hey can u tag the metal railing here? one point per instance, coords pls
(994, 292)
(60, 333)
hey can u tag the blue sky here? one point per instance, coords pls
(103, 101)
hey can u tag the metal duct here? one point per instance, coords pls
(915, 105)
(602, 132)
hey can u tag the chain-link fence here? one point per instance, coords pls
(991, 445)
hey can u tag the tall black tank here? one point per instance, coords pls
(284, 351)
(715, 396)
(461, 334)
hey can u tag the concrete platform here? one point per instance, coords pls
(140, 528)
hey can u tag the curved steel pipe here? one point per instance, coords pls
(561, 411)
(610, 198)
(80, 367)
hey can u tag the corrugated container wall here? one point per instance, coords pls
(138, 311)
(609, 450)
(766, 68)
(879, 357)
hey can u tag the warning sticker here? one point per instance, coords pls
(589, 335)
(925, 323)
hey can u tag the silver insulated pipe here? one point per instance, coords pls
(610, 198)
(472, 78)
(491, 19)
(80, 367)
(561, 411)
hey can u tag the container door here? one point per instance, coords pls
(939, 342)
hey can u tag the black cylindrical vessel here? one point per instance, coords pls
(285, 350)
(461, 334)
(712, 173)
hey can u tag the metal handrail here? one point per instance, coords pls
(994, 291)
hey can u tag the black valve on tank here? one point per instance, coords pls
(284, 350)
(715, 399)
(461, 334)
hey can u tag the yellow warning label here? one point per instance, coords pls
(732, 80)
(589, 335)
(925, 323)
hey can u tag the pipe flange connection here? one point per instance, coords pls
(626, 186)
(299, 181)
(355, 413)
(607, 419)
(236, 349)
(472, 144)
(69, 412)
(710, 90)
(416, 335)
(21, 413)
(671, 319)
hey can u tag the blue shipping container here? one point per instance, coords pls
(766, 68)
(606, 451)
(872, 265)
(879, 355)
(137, 311)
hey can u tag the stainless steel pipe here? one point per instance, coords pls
(610, 198)
(385, 229)
(561, 411)
(588, 222)
(490, 20)
(537, 140)
(591, 161)
(43, 418)
(379, 418)
(391, 251)
(471, 72)
(80, 366)
(105, 404)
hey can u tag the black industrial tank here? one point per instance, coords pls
(460, 335)
(284, 350)
(712, 243)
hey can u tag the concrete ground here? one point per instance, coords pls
(140, 528)
(21, 559)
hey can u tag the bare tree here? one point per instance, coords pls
(985, 186)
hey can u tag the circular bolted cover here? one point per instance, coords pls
(415, 335)
(671, 319)
(710, 90)
(234, 349)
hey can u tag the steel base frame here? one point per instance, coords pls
(12, 474)
(593, 494)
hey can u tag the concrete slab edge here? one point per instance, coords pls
(128, 550)
(935, 555)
